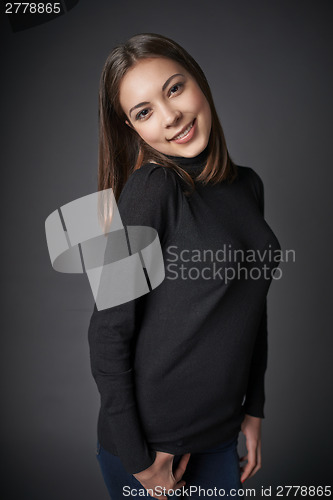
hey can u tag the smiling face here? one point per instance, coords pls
(162, 101)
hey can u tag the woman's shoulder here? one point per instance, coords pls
(151, 198)
(248, 173)
(151, 180)
(151, 170)
(253, 181)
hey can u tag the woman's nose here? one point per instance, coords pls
(170, 116)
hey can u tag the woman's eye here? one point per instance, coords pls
(177, 86)
(140, 115)
(173, 90)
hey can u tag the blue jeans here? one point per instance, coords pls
(216, 469)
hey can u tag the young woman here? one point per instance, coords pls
(180, 369)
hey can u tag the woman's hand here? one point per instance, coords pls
(160, 474)
(251, 427)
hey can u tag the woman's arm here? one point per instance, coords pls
(149, 198)
(255, 394)
(110, 336)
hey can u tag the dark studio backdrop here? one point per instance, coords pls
(269, 65)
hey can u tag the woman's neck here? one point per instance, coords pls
(193, 162)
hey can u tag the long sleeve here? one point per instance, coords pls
(149, 198)
(255, 394)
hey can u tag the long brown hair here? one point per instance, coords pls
(121, 149)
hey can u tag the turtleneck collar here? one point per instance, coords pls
(191, 163)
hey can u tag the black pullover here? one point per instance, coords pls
(178, 368)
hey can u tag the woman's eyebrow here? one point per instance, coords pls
(163, 88)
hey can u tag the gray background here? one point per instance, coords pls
(269, 67)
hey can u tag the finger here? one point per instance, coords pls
(252, 461)
(176, 487)
(258, 465)
(255, 470)
(181, 467)
(241, 459)
(179, 485)
(247, 471)
(158, 495)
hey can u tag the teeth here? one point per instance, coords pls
(185, 132)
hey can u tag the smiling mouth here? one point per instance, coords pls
(184, 132)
